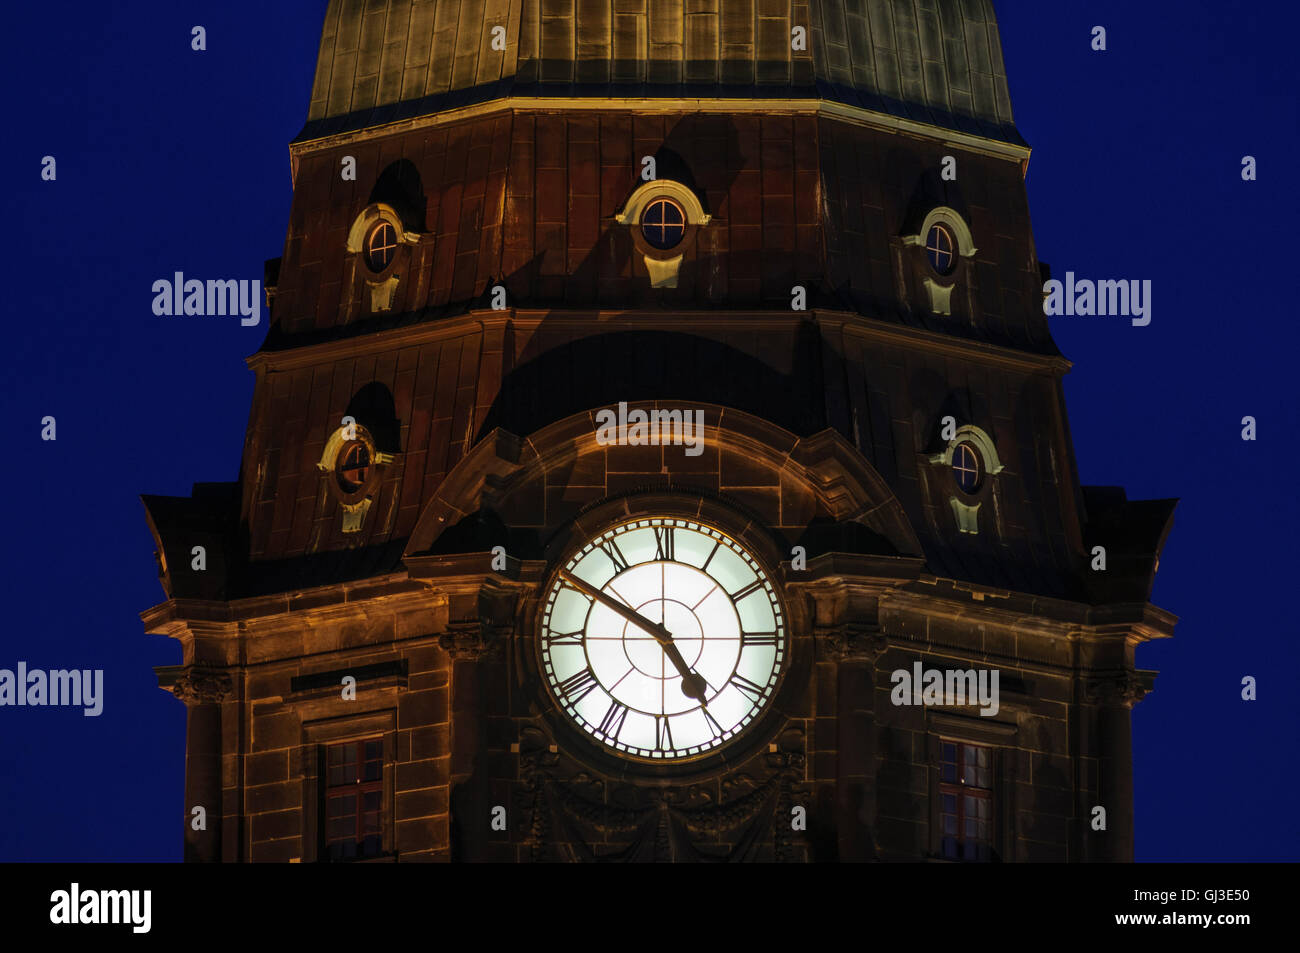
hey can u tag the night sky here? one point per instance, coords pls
(173, 160)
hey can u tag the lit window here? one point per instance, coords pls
(663, 224)
(966, 793)
(354, 467)
(354, 794)
(381, 246)
(939, 246)
(966, 467)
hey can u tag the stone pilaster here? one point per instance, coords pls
(203, 691)
(854, 650)
(1113, 697)
(474, 647)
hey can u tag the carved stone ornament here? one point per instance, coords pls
(472, 640)
(584, 818)
(354, 514)
(202, 686)
(1126, 689)
(850, 642)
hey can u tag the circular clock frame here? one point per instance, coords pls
(736, 729)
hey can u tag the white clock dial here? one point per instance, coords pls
(700, 665)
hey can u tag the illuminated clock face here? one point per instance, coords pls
(662, 639)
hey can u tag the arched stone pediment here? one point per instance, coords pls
(541, 482)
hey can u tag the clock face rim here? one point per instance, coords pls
(582, 541)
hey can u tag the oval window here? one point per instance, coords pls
(381, 246)
(354, 467)
(663, 224)
(966, 467)
(941, 250)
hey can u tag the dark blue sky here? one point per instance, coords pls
(171, 160)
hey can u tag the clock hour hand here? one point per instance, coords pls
(693, 685)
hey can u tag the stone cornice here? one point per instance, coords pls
(894, 580)
(853, 115)
(1141, 621)
(599, 321)
(175, 614)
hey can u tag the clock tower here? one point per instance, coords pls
(658, 452)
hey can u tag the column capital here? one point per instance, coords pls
(1121, 689)
(850, 642)
(474, 641)
(202, 686)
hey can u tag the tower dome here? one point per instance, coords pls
(937, 62)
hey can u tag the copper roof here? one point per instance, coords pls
(937, 62)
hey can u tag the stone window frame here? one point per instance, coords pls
(663, 264)
(356, 503)
(939, 287)
(966, 506)
(1001, 737)
(381, 285)
(317, 735)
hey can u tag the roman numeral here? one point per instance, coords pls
(663, 733)
(564, 638)
(578, 686)
(664, 545)
(749, 590)
(615, 555)
(756, 639)
(612, 723)
(752, 689)
(714, 726)
(713, 552)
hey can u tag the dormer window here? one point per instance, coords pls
(664, 218)
(383, 249)
(944, 252)
(353, 468)
(972, 459)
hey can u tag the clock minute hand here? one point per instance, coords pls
(661, 635)
(693, 685)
